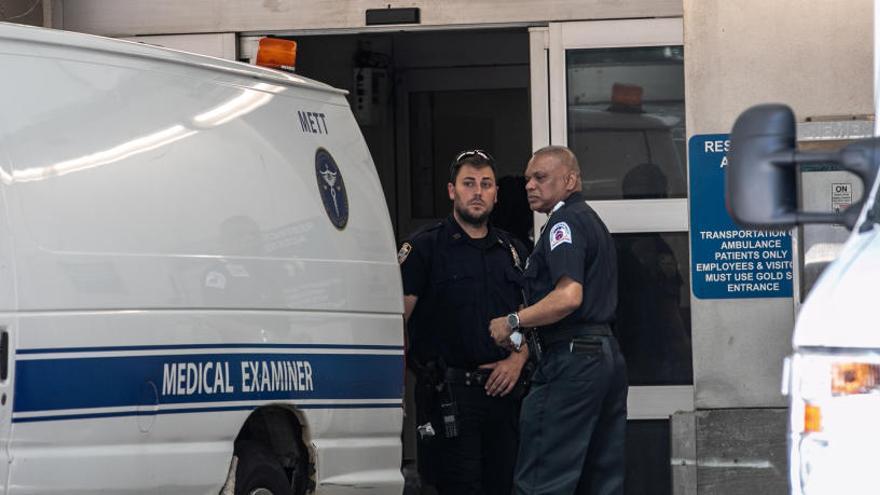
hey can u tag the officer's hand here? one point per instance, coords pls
(500, 330)
(504, 375)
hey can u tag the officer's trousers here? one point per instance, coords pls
(481, 459)
(573, 422)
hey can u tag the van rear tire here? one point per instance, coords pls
(259, 472)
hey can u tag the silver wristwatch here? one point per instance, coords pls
(513, 321)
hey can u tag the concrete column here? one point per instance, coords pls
(817, 57)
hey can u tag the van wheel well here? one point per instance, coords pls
(280, 432)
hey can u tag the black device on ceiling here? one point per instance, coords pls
(377, 17)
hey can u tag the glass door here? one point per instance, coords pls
(613, 92)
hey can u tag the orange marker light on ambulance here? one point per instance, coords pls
(812, 419)
(277, 53)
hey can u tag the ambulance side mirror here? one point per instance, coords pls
(762, 171)
(760, 186)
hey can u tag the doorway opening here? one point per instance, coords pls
(420, 98)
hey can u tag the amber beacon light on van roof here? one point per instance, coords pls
(277, 53)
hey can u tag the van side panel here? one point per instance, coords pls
(120, 417)
(133, 186)
(176, 267)
(8, 322)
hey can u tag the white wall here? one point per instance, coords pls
(132, 17)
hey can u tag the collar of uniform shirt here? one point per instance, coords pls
(459, 235)
(573, 197)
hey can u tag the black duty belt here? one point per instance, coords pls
(470, 378)
(552, 336)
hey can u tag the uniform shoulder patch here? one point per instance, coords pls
(405, 249)
(559, 234)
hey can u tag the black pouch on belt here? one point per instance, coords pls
(535, 349)
(449, 414)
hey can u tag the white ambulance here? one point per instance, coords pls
(833, 376)
(198, 284)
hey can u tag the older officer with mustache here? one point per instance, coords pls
(574, 419)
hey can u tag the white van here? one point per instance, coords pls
(833, 376)
(198, 284)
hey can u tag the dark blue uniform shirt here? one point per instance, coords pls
(461, 283)
(575, 243)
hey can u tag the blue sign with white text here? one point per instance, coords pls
(728, 262)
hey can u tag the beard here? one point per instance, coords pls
(467, 217)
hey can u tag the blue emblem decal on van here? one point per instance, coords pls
(332, 188)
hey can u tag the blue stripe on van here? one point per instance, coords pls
(44, 385)
(189, 410)
(68, 350)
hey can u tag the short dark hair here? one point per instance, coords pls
(475, 158)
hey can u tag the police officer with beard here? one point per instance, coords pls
(457, 276)
(574, 419)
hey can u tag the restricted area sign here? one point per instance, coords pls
(726, 261)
